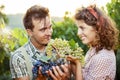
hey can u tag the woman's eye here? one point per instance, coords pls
(81, 27)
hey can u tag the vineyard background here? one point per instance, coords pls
(13, 35)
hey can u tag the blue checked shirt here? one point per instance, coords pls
(17, 61)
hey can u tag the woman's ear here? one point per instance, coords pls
(29, 32)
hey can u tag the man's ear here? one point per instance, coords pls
(29, 32)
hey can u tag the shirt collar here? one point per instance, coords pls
(32, 47)
(34, 50)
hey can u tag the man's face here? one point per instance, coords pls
(42, 31)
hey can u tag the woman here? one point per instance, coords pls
(99, 32)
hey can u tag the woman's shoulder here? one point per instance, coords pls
(105, 54)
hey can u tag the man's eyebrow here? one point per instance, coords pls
(42, 28)
(45, 27)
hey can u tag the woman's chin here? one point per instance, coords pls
(85, 42)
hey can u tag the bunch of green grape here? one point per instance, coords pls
(63, 47)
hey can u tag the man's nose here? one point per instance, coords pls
(49, 31)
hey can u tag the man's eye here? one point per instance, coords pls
(42, 30)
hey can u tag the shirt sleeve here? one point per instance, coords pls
(99, 68)
(17, 66)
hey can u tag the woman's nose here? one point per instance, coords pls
(79, 32)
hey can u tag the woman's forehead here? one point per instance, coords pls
(79, 22)
(83, 24)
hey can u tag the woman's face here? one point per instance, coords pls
(86, 33)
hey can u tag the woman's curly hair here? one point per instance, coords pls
(105, 27)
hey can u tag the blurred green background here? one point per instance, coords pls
(12, 37)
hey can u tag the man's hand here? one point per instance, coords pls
(40, 76)
(22, 78)
(60, 72)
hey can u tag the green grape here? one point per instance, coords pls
(63, 47)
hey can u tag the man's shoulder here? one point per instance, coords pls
(18, 52)
(20, 49)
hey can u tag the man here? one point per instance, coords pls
(38, 26)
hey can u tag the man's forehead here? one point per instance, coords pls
(41, 19)
(44, 22)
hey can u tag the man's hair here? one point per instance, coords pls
(34, 12)
(105, 27)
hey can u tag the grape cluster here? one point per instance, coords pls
(61, 46)
(45, 67)
(65, 47)
(56, 51)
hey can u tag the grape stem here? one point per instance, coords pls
(58, 55)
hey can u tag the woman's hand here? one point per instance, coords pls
(60, 72)
(75, 67)
(73, 60)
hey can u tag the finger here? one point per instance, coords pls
(39, 70)
(40, 74)
(65, 68)
(72, 59)
(52, 75)
(60, 72)
(66, 65)
(69, 58)
(55, 72)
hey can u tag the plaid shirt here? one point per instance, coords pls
(100, 66)
(17, 61)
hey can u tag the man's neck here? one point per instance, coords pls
(40, 47)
